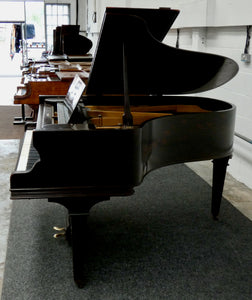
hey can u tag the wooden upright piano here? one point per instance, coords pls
(133, 118)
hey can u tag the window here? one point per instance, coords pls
(56, 15)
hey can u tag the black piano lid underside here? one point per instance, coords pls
(158, 21)
(153, 67)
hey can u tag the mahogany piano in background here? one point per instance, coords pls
(45, 78)
(132, 120)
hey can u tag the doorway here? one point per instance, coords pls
(22, 34)
(9, 63)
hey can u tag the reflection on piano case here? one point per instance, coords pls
(128, 123)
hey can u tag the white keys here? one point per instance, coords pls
(24, 154)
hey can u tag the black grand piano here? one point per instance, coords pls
(134, 117)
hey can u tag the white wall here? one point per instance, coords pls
(225, 34)
(230, 41)
(214, 26)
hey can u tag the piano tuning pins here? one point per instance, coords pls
(61, 232)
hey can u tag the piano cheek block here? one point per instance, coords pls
(117, 162)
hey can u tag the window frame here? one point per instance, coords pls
(57, 23)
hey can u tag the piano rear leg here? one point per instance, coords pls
(219, 174)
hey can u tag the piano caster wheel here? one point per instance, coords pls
(62, 232)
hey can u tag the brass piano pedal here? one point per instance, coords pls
(62, 232)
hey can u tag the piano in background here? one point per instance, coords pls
(45, 77)
(42, 80)
(133, 119)
(68, 41)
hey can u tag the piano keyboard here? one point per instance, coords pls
(28, 154)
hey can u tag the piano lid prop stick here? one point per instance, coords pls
(127, 116)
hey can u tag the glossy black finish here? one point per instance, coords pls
(128, 154)
(219, 174)
(67, 40)
(153, 67)
(79, 166)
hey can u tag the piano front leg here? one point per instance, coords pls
(219, 174)
(77, 232)
(78, 235)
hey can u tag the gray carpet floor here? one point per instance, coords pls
(7, 114)
(160, 243)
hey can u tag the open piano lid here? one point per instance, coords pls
(153, 67)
